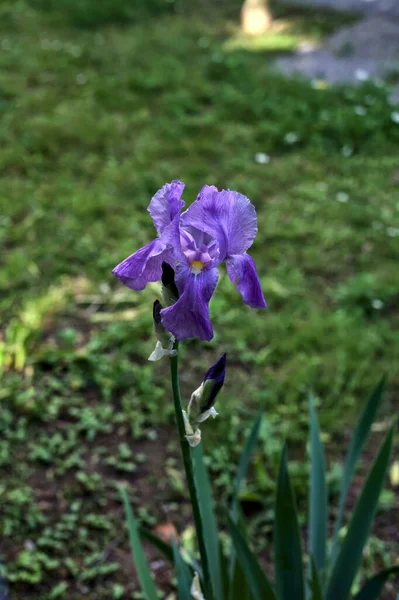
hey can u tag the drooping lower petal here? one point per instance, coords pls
(145, 265)
(242, 270)
(189, 316)
(229, 217)
(166, 205)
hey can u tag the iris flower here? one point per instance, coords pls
(218, 227)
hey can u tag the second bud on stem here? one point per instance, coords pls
(202, 400)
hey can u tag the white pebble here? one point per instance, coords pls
(203, 42)
(377, 304)
(360, 111)
(75, 51)
(342, 197)
(362, 75)
(262, 158)
(291, 138)
(347, 151)
(81, 79)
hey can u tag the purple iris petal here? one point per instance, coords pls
(166, 205)
(189, 316)
(144, 265)
(213, 383)
(229, 217)
(218, 370)
(241, 268)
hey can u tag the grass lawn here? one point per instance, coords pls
(94, 119)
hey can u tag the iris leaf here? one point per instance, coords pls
(256, 579)
(318, 507)
(208, 518)
(349, 558)
(287, 540)
(373, 587)
(184, 574)
(140, 561)
(358, 441)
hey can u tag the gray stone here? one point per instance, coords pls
(388, 8)
(373, 37)
(366, 49)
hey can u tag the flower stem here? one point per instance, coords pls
(188, 466)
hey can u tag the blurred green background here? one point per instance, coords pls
(101, 103)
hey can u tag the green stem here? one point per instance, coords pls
(188, 466)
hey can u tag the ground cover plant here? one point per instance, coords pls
(93, 121)
(231, 570)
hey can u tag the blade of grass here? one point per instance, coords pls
(373, 587)
(318, 506)
(139, 559)
(256, 579)
(211, 538)
(348, 560)
(184, 574)
(358, 441)
(287, 540)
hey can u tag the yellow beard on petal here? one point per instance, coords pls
(196, 267)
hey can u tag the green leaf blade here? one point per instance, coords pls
(225, 570)
(373, 587)
(205, 500)
(287, 540)
(244, 462)
(316, 591)
(140, 561)
(256, 579)
(184, 574)
(318, 503)
(159, 544)
(349, 558)
(239, 590)
(242, 470)
(358, 441)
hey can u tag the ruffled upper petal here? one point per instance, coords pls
(227, 216)
(241, 268)
(145, 265)
(166, 205)
(189, 316)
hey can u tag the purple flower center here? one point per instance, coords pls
(199, 248)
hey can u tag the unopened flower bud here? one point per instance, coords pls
(201, 403)
(164, 345)
(203, 399)
(192, 436)
(162, 335)
(170, 292)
